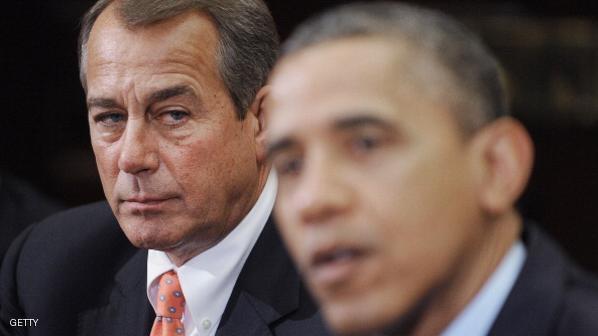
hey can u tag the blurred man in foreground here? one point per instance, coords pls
(398, 172)
(174, 92)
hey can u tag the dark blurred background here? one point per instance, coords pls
(549, 50)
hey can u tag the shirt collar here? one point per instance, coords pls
(207, 279)
(479, 315)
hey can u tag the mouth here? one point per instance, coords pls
(335, 265)
(146, 203)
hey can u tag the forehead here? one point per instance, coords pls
(374, 75)
(356, 63)
(184, 43)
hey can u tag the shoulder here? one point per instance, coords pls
(552, 294)
(67, 233)
(579, 307)
(64, 265)
(87, 217)
(20, 205)
(24, 197)
(68, 238)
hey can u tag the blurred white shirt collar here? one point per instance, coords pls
(479, 315)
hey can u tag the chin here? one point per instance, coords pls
(351, 320)
(351, 327)
(149, 235)
(150, 241)
(367, 315)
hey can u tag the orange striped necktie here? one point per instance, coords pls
(170, 307)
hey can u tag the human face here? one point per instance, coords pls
(376, 198)
(177, 167)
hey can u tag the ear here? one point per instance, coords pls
(257, 109)
(505, 153)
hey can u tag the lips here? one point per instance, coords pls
(335, 265)
(146, 200)
(146, 203)
(334, 256)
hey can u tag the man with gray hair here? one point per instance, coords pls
(398, 171)
(174, 91)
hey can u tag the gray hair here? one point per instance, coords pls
(473, 70)
(248, 45)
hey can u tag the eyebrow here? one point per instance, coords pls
(106, 103)
(170, 92)
(154, 97)
(345, 123)
(361, 120)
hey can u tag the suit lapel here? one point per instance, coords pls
(267, 289)
(532, 306)
(128, 311)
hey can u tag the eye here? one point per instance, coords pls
(110, 119)
(173, 117)
(288, 166)
(364, 143)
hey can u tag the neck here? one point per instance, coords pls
(481, 260)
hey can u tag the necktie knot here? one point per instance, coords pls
(170, 306)
(171, 302)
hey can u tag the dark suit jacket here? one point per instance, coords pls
(77, 273)
(20, 205)
(551, 296)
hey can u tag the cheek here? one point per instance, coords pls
(288, 225)
(107, 163)
(186, 162)
(424, 189)
(213, 165)
(295, 235)
(187, 165)
(418, 206)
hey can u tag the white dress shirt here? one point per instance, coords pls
(207, 280)
(479, 315)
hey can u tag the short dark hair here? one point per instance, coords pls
(472, 67)
(248, 45)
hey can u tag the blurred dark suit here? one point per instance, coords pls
(552, 295)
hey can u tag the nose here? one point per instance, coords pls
(324, 192)
(139, 149)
